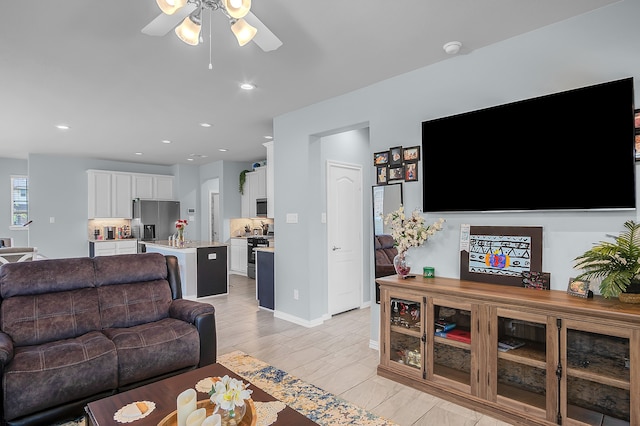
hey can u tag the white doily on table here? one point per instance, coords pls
(267, 412)
(132, 412)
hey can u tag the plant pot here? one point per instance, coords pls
(631, 294)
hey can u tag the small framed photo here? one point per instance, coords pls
(395, 156)
(396, 173)
(411, 172)
(579, 288)
(536, 280)
(411, 154)
(381, 158)
(382, 175)
(636, 126)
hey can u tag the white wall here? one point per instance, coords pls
(590, 49)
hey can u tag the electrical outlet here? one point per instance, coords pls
(295, 294)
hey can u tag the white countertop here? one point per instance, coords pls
(267, 249)
(187, 244)
(112, 241)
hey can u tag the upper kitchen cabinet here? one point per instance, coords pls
(152, 187)
(109, 194)
(255, 187)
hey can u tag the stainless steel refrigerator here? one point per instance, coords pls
(154, 220)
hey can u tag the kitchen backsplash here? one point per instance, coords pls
(101, 223)
(237, 226)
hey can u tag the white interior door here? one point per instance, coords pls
(344, 233)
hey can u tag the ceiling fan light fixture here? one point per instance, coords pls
(237, 8)
(189, 30)
(243, 31)
(170, 6)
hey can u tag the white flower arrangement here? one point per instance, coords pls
(410, 232)
(228, 393)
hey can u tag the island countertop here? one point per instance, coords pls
(187, 245)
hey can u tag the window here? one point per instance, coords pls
(19, 200)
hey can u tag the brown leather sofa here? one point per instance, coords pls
(385, 252)
(79, 329)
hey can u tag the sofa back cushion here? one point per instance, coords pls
(132, 289)
(48, 300)
(42, 318)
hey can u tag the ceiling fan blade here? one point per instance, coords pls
(165, 23)
(264, 38)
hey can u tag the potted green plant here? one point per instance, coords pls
(243, 178)
(617, 263)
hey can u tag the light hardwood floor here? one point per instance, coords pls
(334, 356)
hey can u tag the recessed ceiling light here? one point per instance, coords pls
(205, 125)
(166, 141)
(223, 149)
(62, 127)
(268, 137)
(247, 86)
(138, 153)
(189, 159)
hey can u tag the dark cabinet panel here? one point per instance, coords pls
(212, 271)
(266, 297)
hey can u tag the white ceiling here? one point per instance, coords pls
(86, 64)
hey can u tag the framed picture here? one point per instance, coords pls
(381, 158)
(536, 280)
(579, 288)
(382, 175)
(395, 156)
(499, 254)
(396, 173)
(637, 133)
(411, 154)
(411, 172)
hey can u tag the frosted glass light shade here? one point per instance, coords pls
(237, 8)
(170, 6)
(189, 31)
(243, 31)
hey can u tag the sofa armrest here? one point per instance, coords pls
(202, 316)
(6, 349)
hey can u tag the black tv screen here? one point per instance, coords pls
(572, 150)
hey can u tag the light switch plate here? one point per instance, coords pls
(292, 217)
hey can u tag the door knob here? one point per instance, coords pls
(335, 248)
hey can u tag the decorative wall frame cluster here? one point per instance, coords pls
(397, 164)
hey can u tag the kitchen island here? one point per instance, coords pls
(203, 266)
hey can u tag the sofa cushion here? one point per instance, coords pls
(127, 305)
(42, 318)
(130, 268)
(156, 348)
(45, 276)
(54, 373)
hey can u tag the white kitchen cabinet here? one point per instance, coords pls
(255, 186)
(121, 195)
(112, 247)
(269, 180)
(152, 187)
(109, 194)
(238, 261)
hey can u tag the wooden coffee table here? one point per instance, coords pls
(165, 392)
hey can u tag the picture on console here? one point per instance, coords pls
(500, 254)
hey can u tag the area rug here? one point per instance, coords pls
(322, 407)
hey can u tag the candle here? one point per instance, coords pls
(197, 417)
(186, 405)
(212, 420)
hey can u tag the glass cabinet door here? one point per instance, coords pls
(406, 334)
(522, 369)
(597, 385)
(452, 328)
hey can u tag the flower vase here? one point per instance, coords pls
(232, 417)
(401, 265)
(181, 237)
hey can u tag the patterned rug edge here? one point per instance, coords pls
(313, 402)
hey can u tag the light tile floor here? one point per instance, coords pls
(334, 356)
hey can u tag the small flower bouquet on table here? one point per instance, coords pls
(180, 225)
(229, 395)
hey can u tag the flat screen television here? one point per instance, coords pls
(572, 150)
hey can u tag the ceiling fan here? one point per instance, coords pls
(185, 17)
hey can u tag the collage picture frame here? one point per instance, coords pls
(398, 164)
(636, 127)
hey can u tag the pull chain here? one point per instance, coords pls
(210, 25)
